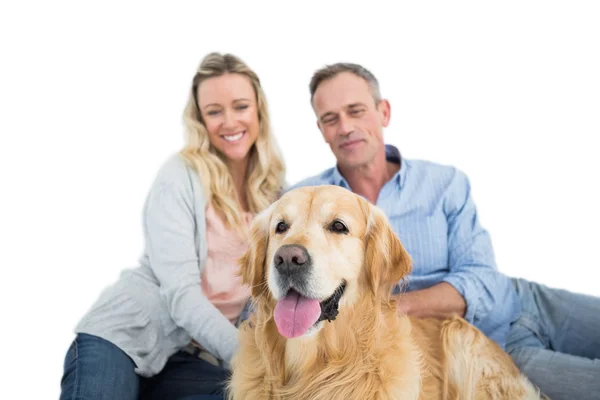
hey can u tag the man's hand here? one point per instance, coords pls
(439, 301)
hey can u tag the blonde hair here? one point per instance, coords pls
(266, 170)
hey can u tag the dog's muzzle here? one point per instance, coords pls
(297, 311)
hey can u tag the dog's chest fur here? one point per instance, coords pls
(358, 358)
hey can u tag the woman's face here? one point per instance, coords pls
(230, 113)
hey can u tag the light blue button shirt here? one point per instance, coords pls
(430, 209)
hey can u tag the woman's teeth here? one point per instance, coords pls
(233, 138)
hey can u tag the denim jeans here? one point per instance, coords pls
(556, 341)
(96, 369)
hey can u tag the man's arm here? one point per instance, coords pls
(439, 301)
(473, 284)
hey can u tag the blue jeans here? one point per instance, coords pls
(97, 369)
(556, 341)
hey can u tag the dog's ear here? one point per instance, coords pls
(386, 260)
(252, 262)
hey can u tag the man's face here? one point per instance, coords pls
(350, 121)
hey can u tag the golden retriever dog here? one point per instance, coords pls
(322, 264)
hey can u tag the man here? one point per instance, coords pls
(553, 335)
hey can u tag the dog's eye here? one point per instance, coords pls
(281, 227)
(338, 226)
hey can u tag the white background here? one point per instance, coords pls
(91, 98)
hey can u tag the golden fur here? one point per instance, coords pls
(369, 351)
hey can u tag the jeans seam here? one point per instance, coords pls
(76, 384)
(544, 332)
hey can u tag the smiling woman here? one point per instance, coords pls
(168, 328)
(228, 129)
(229, 109)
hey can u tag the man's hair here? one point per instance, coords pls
(330, 71)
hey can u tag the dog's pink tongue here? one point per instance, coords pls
(295, 314)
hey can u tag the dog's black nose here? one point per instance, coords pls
(290, 258)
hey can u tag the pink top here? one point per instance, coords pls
(219, 281)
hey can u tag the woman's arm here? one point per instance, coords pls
(169, 227)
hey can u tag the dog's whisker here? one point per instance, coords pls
(265, 289)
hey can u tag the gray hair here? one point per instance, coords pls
(330, 71)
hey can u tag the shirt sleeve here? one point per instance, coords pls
(472, 266)
(169, 228)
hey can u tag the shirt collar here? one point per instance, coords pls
(392, 154)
